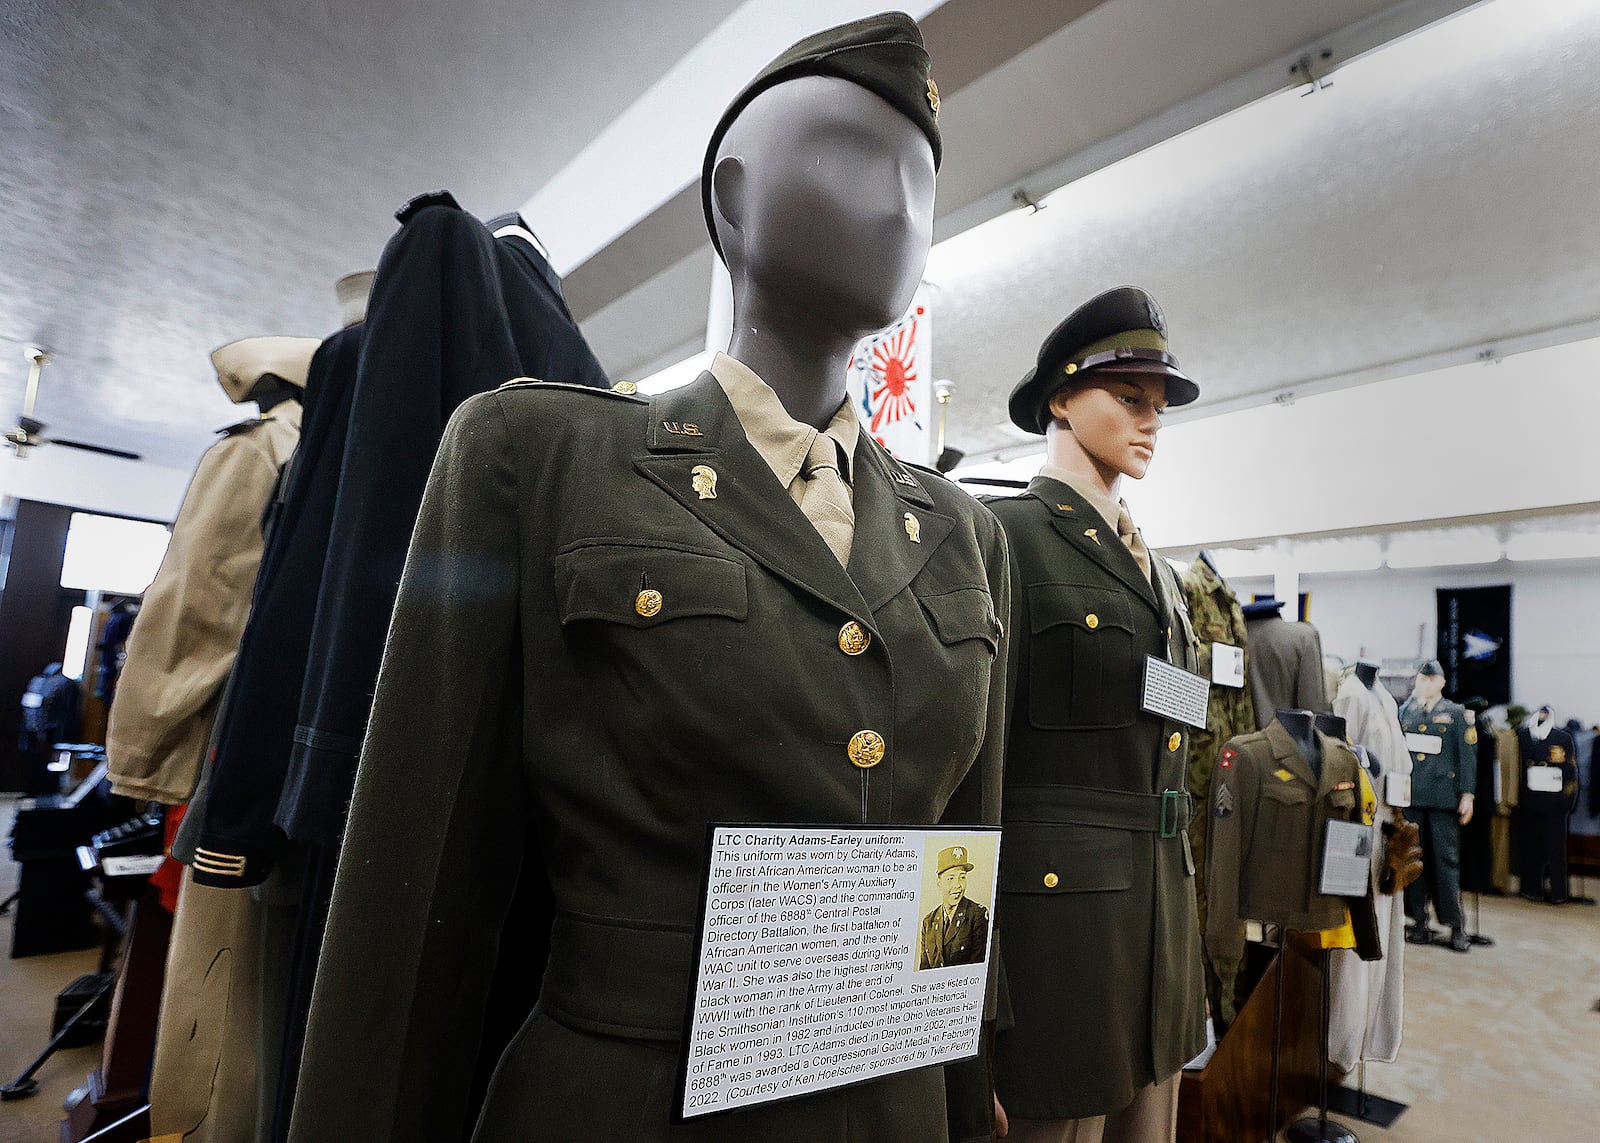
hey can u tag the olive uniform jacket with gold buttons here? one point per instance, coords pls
(614, 628)
(1102, 946)
(1269, 820)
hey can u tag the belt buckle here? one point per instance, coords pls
(1169, 817)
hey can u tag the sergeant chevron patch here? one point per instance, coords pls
(1225, 802)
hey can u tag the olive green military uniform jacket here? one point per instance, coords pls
(1439, 777)
(186, 636)
(1102, 948)
(591, 659)
(962, 939)
(1269, 819)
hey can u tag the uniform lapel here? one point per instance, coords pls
(897, 530)
(1081, 526)
(695, 425)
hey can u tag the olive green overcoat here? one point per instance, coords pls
(1097, 891)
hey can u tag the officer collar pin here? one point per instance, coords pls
(1093, 534)
(913, 528)
(704, 479)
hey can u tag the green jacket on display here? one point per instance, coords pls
(1102, 947)
(615, 627)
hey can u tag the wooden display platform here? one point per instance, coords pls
(1227, 1101)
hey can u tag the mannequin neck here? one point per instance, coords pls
(801, 360)
(1367, 673)
(1301, 725)
(1063, 450)
(1331, 725)
(271, 392)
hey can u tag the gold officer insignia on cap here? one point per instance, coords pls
(958, 853)
(1072, 367)
(913, 528)
(1093, 534)
(704, 478)
(933, 96)
(626, 388)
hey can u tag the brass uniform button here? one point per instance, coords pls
(865, 749)
(1174, 742)
(854, 638)
(648, 602)
(1051, 880)
(1422, 757)
(1091, 621)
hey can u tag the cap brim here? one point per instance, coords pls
(1180, 389)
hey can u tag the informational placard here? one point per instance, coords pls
(1544, 779)
(833, 955)
(1424, 743)
(1174, 693)
(1227, 665)
(1346, 859)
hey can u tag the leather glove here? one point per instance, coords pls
(1402, 857)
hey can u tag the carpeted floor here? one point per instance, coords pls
(1502, 1044)
(28, 990)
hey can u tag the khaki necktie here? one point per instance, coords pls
(826, 499)
(1129, 535)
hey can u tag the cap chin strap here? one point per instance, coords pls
(1119, 354)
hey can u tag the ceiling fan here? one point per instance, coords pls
(28, 433)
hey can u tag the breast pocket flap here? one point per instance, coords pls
(645, 585)
(1090, 609)
(964, 614)
(1051, 859)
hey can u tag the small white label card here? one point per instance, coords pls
(32, 700)
(1227, 665)
(1544, 779)
(1397, 789)
(1346, 859)
(1424, 743)
(833, 955)
(1174, 693)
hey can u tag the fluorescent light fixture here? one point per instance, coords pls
(1441, 549)
(1553, 546)
(1349, 554)
(1237, 563)
(77, 652)
(676, 376)
(105, 553)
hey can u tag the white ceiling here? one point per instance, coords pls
(179, 175)
(173, 184)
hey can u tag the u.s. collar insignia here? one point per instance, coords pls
(901, 476)
(1225, 801)
(683, 428)
(1093, 534)
(704, 479)
(1558, 754)
(933, 96)
(1283, 775)
(913, 528)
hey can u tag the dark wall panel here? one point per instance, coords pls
(34, 614)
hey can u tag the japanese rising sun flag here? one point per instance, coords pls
(891, 381)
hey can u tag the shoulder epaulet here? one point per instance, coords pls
(432, 198)
(242, 427)
(630, 393)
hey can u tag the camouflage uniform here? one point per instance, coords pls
(1214, 611)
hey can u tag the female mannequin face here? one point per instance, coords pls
(1110, 423)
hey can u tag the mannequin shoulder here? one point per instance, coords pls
(241, 428)
(533, 408)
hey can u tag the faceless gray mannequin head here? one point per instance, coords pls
(1428, 687)
(822, 196)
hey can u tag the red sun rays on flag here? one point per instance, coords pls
(895, 371)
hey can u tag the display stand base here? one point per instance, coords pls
(1364, 1106)
(1315, 1129)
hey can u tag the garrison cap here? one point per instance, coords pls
(953, 858)
(881, 53)
(1119, 331)
(241, 364)
(1431, 668)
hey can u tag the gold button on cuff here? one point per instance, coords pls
(648, 602)
(1091, 621)
(1174, 742)
(853, 638)
(1051, 880)
(865, 749)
